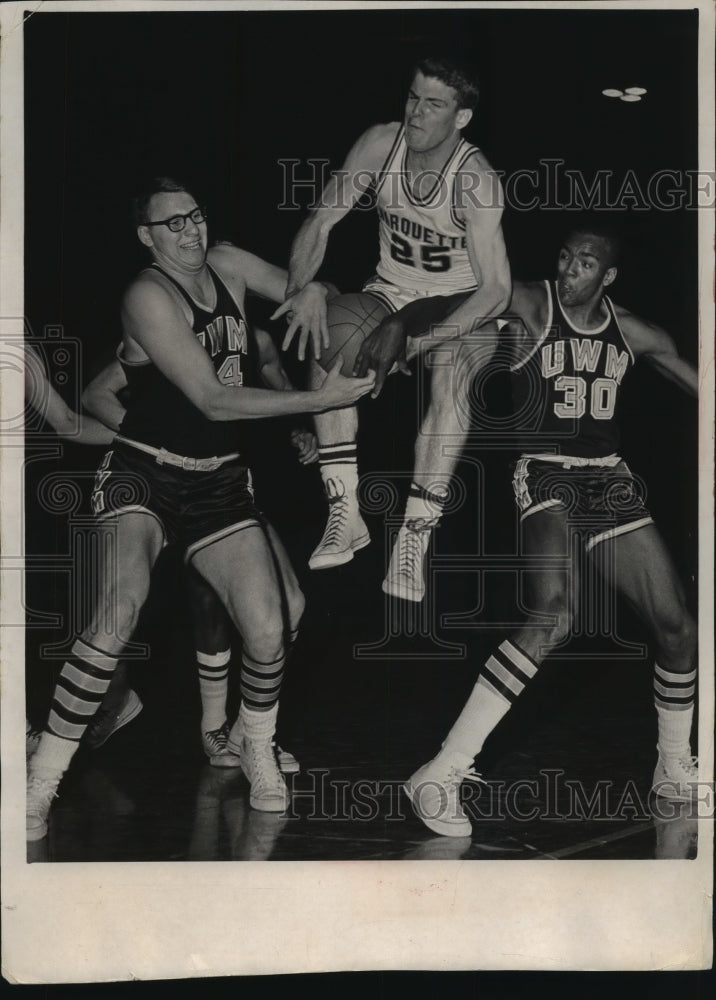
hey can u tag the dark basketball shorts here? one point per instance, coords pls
(604, 500)
(193, 509)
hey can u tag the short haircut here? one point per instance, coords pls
(591, 225)
(155, 185)
(453, 74)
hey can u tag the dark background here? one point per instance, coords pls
(220, 99)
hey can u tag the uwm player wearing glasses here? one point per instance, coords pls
(570, 350)
(175, 474)
(439, 208)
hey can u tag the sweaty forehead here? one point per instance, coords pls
(167, 203)
(583, 243)
(430, 86)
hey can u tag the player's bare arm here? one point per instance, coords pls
(41, 396)
(339, 196)
(481, 208)
(101, 396)
(656, 346)
(156, 327)
(244, 271)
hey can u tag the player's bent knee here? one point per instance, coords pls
(264, 640)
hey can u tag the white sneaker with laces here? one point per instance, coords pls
(346, 531)
(405, 573)
(40, 793)
(676, 778)
(434, 791)
(258, 762)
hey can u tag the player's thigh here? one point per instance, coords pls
(287, 577)
(126, 546)
(212, 625)
(550, 578)
(351, 318)
(638, 564)
(242, 570)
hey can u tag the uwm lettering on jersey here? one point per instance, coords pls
(584, 355)
(225, 334)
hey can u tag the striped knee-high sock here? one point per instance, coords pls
(261, 682)
(501, 682)
(213, 669)
(81, 686)
(674, 700)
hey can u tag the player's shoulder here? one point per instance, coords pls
(643, 335)
(377, 141)
(474, 161)
(528, 296)
(148, 289)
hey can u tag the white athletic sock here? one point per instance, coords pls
(255, 725)
(53, 755)
(213, 669)
(675, 732)
(339, 479)
(502, 680)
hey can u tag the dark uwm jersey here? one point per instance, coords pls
(565, 392)
(159, 414)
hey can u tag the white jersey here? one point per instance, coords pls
(423, 245)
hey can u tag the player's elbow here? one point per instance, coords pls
(209, 403)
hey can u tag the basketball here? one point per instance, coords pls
(350, 319)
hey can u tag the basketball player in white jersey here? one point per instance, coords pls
(439, 208)
(570, 350)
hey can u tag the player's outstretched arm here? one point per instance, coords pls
(64, 421)
(306, 309)
(152, 319)
(339, 196)
(656, 346)
(101, 396)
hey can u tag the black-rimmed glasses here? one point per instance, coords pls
(178, 222)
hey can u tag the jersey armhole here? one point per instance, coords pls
(545, 331)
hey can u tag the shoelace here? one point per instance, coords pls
(690, 765)
(264, 767)
(411, 551)
(456, 776)
(337, 517)
(42, 790)
(217, 737)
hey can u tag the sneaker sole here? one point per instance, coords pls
(436, 825)
(665, 790)
(122, 720)
(339, 558)
(269, 806)
(402, 593)
(226, 760)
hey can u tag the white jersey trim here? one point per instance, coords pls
(545, 331)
